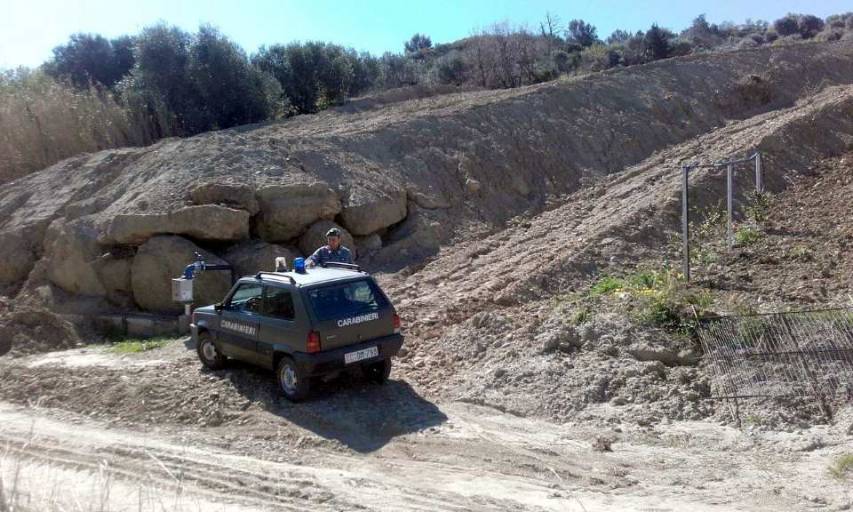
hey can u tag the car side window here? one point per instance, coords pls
(278, 303)
(247, 298)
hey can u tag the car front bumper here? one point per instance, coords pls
(322, 363)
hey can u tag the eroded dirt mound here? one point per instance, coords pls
(168, 386)
(26, 332)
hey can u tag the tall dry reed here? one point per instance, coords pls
(43, 121)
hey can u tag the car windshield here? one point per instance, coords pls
(346, 299)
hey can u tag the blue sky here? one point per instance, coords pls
(29, 29)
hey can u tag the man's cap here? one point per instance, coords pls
(333, 232)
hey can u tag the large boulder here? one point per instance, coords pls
(76, 263)
(237, 196)
(315, 237)
(163, 258)
(203, 222)
(71, 248)
(255, 256)
(367, 211)
(114, 272)
(430, 199)
(416, 238)
(288, 210)
(17, 257)
(368, 244)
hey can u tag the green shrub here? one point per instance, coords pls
(758, 207)
(707, 235)
(606, 285)
(665, 300)
(660, 297)
(787, 25)
(747, 235)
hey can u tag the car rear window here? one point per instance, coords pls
(346, 299)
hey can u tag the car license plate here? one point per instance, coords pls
(360, 355)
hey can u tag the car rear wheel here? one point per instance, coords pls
(208, 353)
(293, 384)
(378, 372)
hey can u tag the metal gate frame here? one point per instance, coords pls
(685, 203)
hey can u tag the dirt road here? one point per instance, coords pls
(447, 456)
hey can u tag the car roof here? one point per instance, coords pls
(310, 276)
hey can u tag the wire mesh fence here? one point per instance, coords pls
(794, 354)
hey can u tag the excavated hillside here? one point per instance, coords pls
(105, 232)
(485, 319)
(494, 321)
(499, 207)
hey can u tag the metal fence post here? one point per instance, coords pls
(759, 184)
(729, 200)
(685, 222)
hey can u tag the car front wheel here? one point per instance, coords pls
(292, 383)
(208, 353)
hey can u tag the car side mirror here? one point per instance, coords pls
(218, 307)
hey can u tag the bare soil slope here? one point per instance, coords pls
(482, 315)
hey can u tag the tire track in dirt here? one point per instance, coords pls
(341, 483)
(167, 471)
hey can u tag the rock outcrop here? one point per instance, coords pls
(203, 222)
(288, 210)
(163, 258)
(367, 245)
(17, 256)
(71, 252)
(235, 196)
(255, 256)
(367, 211)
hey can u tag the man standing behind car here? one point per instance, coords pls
(332, 252)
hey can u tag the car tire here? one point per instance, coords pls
(208, 354)
(378, 373)
(292, 383)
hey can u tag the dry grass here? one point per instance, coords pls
(134, 346)
(53, 495)
(43, 121)
(843, 467)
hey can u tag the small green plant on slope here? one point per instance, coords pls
(758, 207)
(747, 235)
(706, 236)
(801, 252)
(606, 285)
(843, 467)
(757, 212)
(661, 297)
